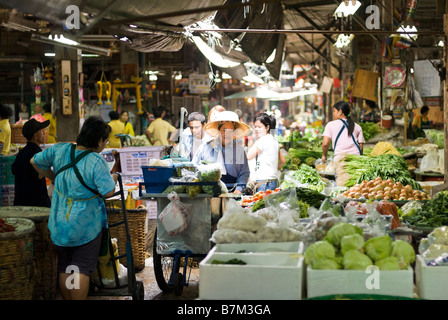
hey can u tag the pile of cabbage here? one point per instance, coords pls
(344, 247)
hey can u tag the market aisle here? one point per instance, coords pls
(152, 291)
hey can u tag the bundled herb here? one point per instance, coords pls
(385, 166)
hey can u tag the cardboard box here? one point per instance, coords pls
(431, 282)
(265, 277)
(398, 283)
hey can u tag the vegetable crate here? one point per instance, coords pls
(387, 282)
(431, 281)
(156, 178)
(133, 158)
(264, 276)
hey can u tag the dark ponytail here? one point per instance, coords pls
(266, 120)
(345, 108)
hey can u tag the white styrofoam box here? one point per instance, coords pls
(399, 283)
(264, 277)
(260, 247)
(133, 158)
(431, 281)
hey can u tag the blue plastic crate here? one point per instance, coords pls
(156, 179)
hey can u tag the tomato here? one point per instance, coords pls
(269, 191)
(277, 189)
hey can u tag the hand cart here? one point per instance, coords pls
(132, 287)
(191, 245)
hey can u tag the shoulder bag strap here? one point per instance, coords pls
(74, 161)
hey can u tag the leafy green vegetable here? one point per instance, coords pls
(369, 130)
(310, 197)
(437, 136)
(386, 166)
(326, 264)
(308, 175)
(432, 214)
(355, 260)
(319, 250)
(352, 242)
(388, 263)
(404, 252)
(378, 248)
(340, 230)
(230, 261)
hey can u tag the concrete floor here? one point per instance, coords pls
(153, 292)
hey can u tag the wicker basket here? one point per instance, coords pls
(44, 253)
(17, 274)
(136, 224)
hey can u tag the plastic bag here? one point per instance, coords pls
(175, 216)
(209, 173)
(430, 162)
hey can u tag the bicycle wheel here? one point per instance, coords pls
(163, 268)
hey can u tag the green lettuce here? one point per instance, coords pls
(355, 260)
(340, 230)
(388, 263)
(319, 250)
(352, 242)
(326, 264)
(378, 248)
(404, 252)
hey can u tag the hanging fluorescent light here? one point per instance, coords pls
(68, 43)
(346, 8)
(50, 54)
(408, 31)
(343, 40)
(213, 56)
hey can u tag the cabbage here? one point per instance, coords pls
(378, 248)
(355, 260)
(404, 252)
(352, 242)
(389, 263)
(319, 250)
(326, 264)
(338, 231)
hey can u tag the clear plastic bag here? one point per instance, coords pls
(209, 173)
(175, 216)
(430, 162)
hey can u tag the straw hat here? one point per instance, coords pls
(241, 129)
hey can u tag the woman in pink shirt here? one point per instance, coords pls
(343, 132)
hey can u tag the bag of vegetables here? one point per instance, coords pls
(209, 173)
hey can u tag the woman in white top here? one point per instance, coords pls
(268, 158)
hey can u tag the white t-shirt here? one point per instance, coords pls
(267, 158)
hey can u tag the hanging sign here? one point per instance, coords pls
(199, 83)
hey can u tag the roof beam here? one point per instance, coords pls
(311, 21)
(317, 51)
